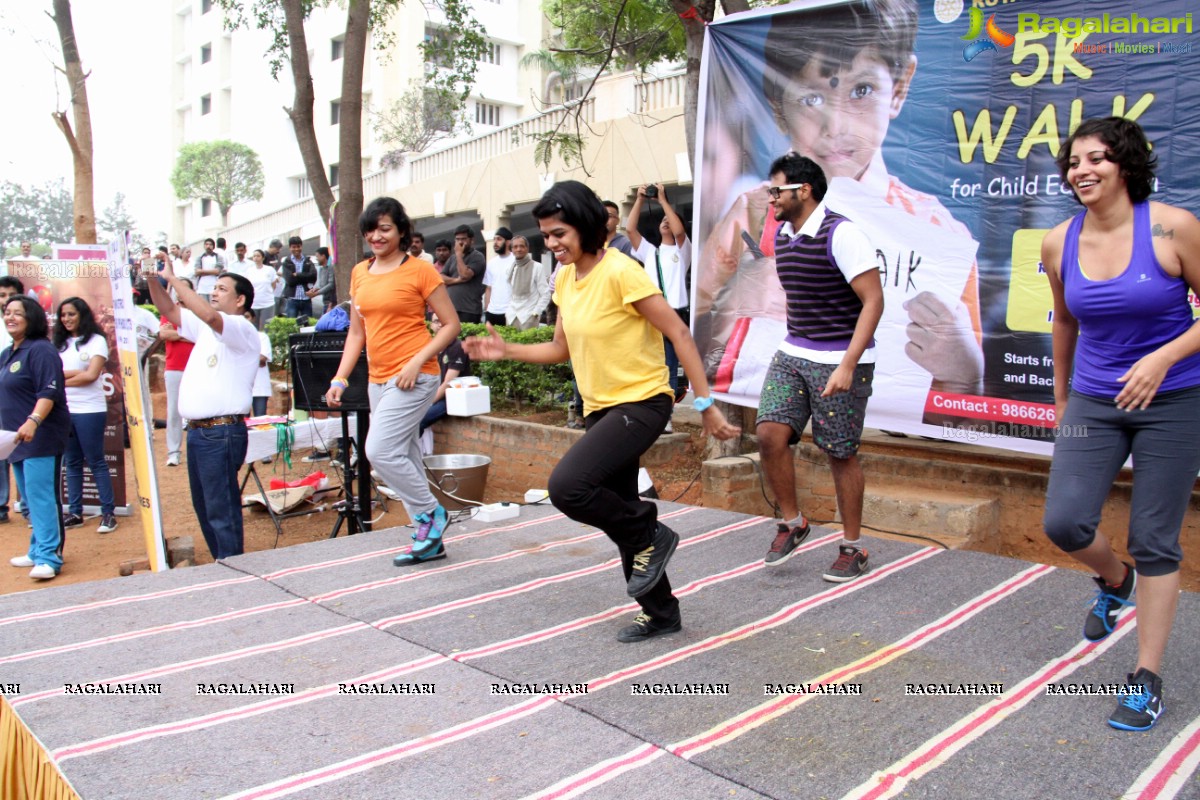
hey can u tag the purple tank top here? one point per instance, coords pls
(1124, 318)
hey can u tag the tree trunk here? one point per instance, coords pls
(80, 138)
(350, 186)
(694, 19)
(301, 112)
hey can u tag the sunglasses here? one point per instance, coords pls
(775, 191)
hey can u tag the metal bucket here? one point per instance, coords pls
(457, 478)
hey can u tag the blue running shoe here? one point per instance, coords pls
(1107, 605)
(1139, 710)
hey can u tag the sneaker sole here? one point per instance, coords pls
(652, 634)
(662, 570)
(1123, 727)
(845, 578)
(106, 530)
(408, 560)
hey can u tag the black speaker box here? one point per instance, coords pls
(315, 358)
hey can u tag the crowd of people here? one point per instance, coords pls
(1126, 361)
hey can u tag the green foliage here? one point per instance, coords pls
(226, 172)
(278, 330)
(423, 115)
(153, 309)
(540, 385)
(38, 214)
(634, 33)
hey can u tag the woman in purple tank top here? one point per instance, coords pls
(1126, 384)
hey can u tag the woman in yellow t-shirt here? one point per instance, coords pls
(611, 323)
(388, 295)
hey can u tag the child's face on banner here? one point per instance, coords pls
(840, 120)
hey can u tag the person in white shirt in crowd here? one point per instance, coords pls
(208, 267)
(26, 250)
(220, 250)
(185, 266)
(178, 351)
(667, 265)
(261, 392)
(240, 265)
(265, 281)
(529, 281)
(417, 248)
(215, 396)
(84, 351)
(498, 293)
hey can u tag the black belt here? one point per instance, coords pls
(213, 422)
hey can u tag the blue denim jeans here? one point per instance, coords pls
(214, 456)
(37, 481)
(87, 443)
(4, 493)
(435, 412)
(299, 309)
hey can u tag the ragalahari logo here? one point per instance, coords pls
(980, 35)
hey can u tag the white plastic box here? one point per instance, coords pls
(466, 397)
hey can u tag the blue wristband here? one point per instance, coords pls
(702, 403)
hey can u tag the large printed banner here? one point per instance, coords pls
(937, 125)
(52, 281)
(138, 412)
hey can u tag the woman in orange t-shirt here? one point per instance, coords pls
(388, 294)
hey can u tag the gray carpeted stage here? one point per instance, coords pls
(532, 605)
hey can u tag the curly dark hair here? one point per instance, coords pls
(1126, 146)
(88, 326)
(801, 169)
(578, 206)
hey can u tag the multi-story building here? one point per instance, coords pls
(223, 89)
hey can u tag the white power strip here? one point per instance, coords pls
(497, 511)
(536, 495)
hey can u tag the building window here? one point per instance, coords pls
(490, 54)
(333, 176)
(303, 188)
(335, 112)
(205, 53)
(205, 6)
(206, 104)
(437, 44)
(487, 114)
(205, 207)
(336, 48)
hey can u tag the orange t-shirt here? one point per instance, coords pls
(392, 307)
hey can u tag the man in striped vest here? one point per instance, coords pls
(823, 369)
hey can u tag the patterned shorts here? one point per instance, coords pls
(791, 394)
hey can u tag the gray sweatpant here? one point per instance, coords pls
(393, 443)
(1090, 448)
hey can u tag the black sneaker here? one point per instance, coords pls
(3, 517)
(649, 564)
(1107, 604)
(1139, 710)
(72, 521)
(644, 627)
(785, 544)
(108, 524)
(851, 563)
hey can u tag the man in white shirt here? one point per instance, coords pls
(417, 248)
(208, 267)
(240, 265)
(214, 396)
(531, 288)
(498, 293)
(667, 265)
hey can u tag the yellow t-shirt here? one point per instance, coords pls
(616, 353)
(393, 310)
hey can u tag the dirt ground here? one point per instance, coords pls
(90, 556)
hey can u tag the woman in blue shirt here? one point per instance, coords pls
(33, 403)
